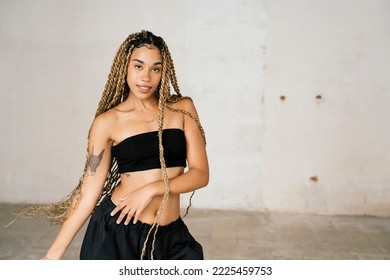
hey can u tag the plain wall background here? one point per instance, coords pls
(235, 59)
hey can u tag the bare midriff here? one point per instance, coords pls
(131, 181)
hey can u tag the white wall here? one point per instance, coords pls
(235, 58)
(339, 50)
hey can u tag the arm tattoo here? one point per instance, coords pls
(93, 163)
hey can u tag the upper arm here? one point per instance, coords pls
(196, 148)
(98, 158)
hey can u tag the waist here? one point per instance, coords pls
(107, 205)
(135, 180)
(171, 209)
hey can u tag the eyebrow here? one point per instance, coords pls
(140, 61)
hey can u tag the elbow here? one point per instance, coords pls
(199, 177)
(204, 180)
(89, 195)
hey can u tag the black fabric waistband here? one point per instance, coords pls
(107, 205)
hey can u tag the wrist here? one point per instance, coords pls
(156, 188)
(54, 254)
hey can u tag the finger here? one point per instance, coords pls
(136, 216)
(117, 209)
(114, 211)
(129, 216)
(122, 215)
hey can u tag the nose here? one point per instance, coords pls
(145, 75)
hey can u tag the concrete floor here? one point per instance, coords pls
(233, 235)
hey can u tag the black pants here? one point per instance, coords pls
(106, 240)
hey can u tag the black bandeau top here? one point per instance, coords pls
(141, 151)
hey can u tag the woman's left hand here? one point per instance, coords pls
(133, 204)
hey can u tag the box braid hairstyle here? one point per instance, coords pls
(117, 90)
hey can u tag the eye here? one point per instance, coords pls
(137, 66)
(157, 69)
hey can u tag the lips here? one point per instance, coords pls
(144, 88)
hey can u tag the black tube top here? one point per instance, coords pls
(141, 152)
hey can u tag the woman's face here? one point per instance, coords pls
(144, 72)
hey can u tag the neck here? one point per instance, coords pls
(142, 104)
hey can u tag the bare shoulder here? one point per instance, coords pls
(104, 122)
(105, 118)
(185, 104)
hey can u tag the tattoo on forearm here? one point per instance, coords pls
(93, 162)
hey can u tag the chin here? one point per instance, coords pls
(145, 96)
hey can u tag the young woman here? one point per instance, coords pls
(145, 148)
